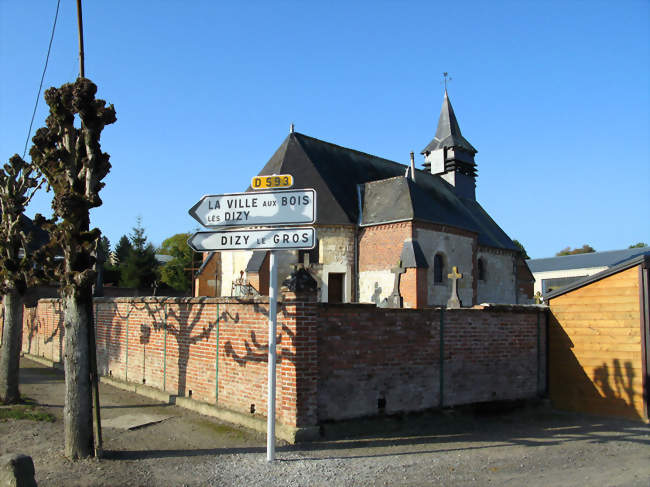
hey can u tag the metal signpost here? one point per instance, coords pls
(260, 209)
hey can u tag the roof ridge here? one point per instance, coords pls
(349, 149)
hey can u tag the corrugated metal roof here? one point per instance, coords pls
(585, 261)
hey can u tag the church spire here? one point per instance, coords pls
(450, 155)
(448, 132)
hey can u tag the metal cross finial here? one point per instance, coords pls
(447, 78)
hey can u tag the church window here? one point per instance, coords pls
(438, 265)
(481, 270)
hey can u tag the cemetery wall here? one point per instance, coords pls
(334, 361)
(376, 360)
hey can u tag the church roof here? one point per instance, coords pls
(335, 172)
(429, 199)
(448, 132)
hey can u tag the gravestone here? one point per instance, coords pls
(454, 301)
(395, 299)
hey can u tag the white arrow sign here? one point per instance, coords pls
(262, 208)
(265, 239)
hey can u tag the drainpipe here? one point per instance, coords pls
(442, 355)
(357, 291)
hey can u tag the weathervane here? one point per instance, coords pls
(447, 78)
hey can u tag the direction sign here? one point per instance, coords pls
(261, 208)
(274, 181)
(258, 239)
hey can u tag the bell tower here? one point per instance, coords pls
(450, 156)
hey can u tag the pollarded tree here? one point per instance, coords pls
(72, 161)
(18, 184)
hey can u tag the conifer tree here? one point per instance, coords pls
(140, 268)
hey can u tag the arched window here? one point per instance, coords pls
(481, 270)
(438, 270)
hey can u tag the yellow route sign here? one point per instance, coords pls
(274, 181)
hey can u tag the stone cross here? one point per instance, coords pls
(395, 300)
(454, 302)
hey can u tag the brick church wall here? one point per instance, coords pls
(380, 249)
(334, 361)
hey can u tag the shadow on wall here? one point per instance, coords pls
(376, 295)
(177, 321)
(57, 331)
(108, 342)
(34, 324)
(258, 352)
(610, 392)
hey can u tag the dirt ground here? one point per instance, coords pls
(533, 446)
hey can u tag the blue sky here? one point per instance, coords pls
(554, 95)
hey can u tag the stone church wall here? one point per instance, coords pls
(499, 285)
(336, 254)
(457, 249)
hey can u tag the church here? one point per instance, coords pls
(387, 233)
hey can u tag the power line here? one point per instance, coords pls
(47, 59)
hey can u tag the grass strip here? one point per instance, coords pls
(26, 412)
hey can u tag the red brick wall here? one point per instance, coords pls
(334, 361)
(380, 246)
(170, 344)
(369, 355)
(413, 287)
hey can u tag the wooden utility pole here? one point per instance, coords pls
(92, 345)
(82, 71)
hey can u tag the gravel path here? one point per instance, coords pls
(531, 446)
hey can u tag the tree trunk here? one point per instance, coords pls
(12, 337)
(77, 413)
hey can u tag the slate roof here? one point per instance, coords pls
(639, 259)
(448, 132)
(585, 261)
(335, 172)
